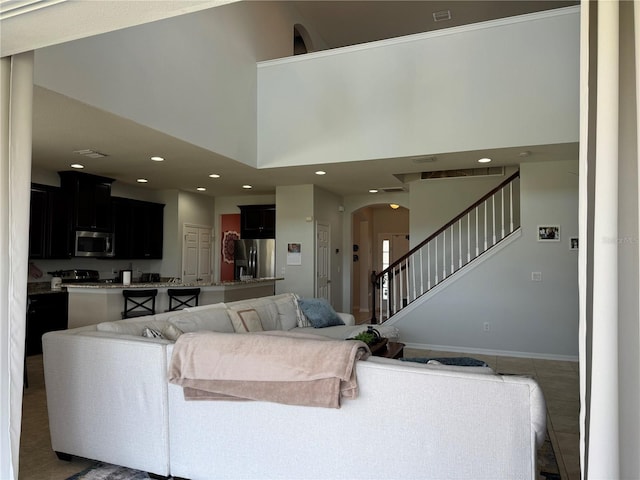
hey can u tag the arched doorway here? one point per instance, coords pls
(301, 40)
(380, 236)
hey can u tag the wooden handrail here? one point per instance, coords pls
(445, 226)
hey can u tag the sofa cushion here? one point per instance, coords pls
(245, 321)
(265, 307)
(131, 327)
(319, 312)
(171, 332)
(288, 310)
(213, 319)
(342, 332)
(151, 332)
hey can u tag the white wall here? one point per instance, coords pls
(503, 83)
(435, 202)
(192, 76)
(526, 318)
(295, 224)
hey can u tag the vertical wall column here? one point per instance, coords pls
(16, 94)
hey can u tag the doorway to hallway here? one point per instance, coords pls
(371, 227)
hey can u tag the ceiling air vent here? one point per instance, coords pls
(442, 15)
(90, 153)
(392, 189)
(463, 172)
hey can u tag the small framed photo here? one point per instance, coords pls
(548, 233)
(573, 243)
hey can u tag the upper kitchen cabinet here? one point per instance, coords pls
(90, 198)
(257, 221)
(49, 224)
(138, 228)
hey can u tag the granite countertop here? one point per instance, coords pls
(166, 284)
(38, 288)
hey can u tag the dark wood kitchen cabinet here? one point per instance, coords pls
(49, 223)
(138, 228)
(257, 221)
(90, 200)
(45, 312)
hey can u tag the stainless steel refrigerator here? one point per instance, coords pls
(254, 258)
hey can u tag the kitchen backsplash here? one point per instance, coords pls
(108, 269)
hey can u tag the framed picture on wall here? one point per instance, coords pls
(548, 233)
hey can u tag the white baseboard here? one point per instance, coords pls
(500, 353)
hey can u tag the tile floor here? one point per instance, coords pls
(559, 381)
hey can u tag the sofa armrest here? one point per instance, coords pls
(347, 318)
(104, 389)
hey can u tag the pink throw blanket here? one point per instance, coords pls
(274, 366)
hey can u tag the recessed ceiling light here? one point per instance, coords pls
(373, 190)
(395, 206)
(201, 189)
(142, 180)
(526, 153)
(157, 159)
(321, 172)
(76, 165)
(247, 187)
(484, 160)
(214, 175)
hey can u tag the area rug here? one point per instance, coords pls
(547, 467)
(105, 471)
(547, 462)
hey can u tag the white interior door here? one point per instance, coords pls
(204, 255)
(323, 246)
(196, 254)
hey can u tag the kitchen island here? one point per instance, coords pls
(93, 303)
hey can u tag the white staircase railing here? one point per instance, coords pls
(467, 236)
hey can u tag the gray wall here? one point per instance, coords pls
(526, 318)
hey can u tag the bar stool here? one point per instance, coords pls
(138, 303)
(182, 297)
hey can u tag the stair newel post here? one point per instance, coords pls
(374, 285)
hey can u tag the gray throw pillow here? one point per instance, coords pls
(319, 312)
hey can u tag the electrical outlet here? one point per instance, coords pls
(486, 327)
(536, 276)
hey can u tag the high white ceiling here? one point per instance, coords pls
(62, 125)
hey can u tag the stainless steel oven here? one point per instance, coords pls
(93, 244)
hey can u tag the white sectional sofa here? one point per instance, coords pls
(109, 399)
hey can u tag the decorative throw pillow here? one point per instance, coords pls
(171, 332)
(301, 319)
(245, 320)
(151, 332)
(319, 312)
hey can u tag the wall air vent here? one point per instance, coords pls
(463, 172)
(392, 189)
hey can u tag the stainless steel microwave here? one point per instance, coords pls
(93, 244)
